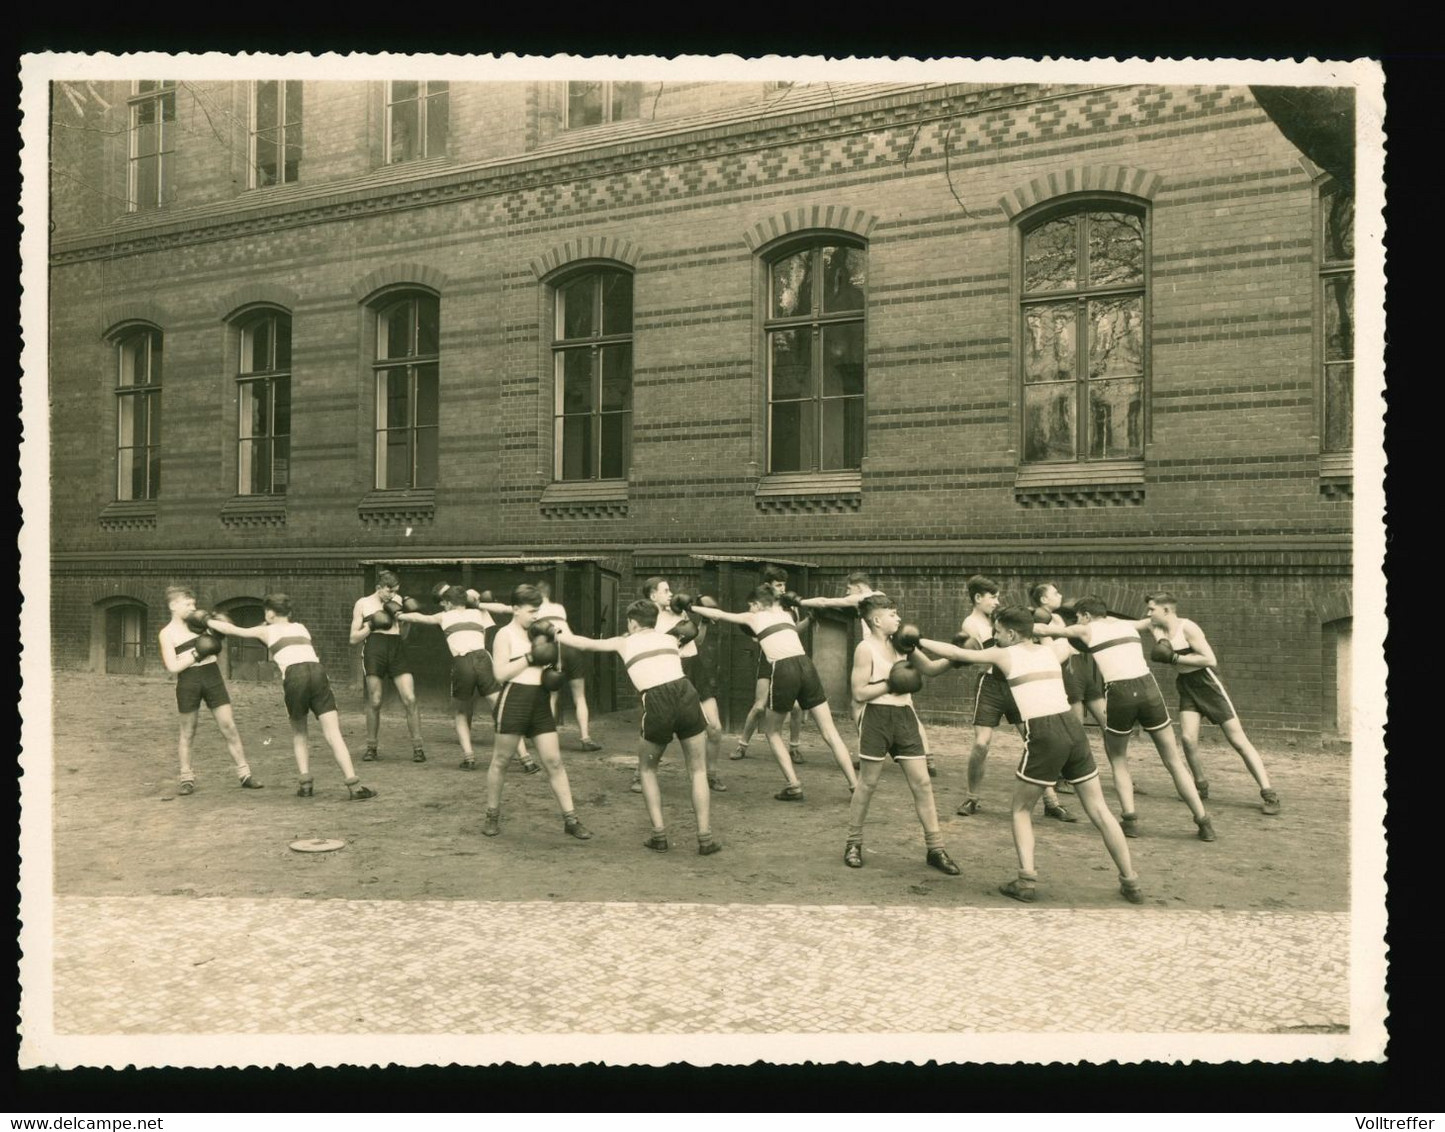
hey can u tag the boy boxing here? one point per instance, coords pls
(776, 578)
(699, 662)
(383, 657)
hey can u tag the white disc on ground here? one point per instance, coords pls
(317, 845)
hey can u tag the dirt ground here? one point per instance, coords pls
(120, 829)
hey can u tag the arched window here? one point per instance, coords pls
(138, 413)
(263, 383)
(408, 330)
(125, 634)
(1084, 357)
(815, 355)
(1337, 291)
(592, 375)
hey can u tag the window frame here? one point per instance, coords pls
(559, 347)
(608, 117)
(423, 99)
(163, 90)
(1327, 271)
(816, 319)
(283, 127)
(1080, 296)
(127, 395)
(412, 363)
(268, 378)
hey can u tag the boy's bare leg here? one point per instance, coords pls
(300, 748)
(1091, 797)
(694, 752)
(184, 742)
(647, 758)
(1168, 749)
(331, 731)
(225, 719)
(549, 753)
(823, 717)
(773, 728)
(1234, 732)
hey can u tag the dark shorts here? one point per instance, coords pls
(889, 729)
(671, 709)
(524, 709)
(201, 682)
(305, 687)
(384, 655)
(576, 664)
(1073, 680)
(472, 676)
(1135, 701)
(1055, 747)
(701, 673)
(1086, 672)
(763, 670)
(794, 680)
(993, 702)
(1202, 691)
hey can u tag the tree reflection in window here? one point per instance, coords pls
(1337, 284)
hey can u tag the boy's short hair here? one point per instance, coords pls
(644, 612)
(1036, 591)
(1093, 606)
(544, 588)
(871, 605)
(387, 578)
(774, 574)
(979, 584)
(277, 603)
(859, 578)
(1163, 597)
(526, 594)
(454, 596)
(173, 592)
(763, 596)
(1017, 618)
(649, 587)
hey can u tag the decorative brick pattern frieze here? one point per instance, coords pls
(590, 499)
(397, 508)
(129, 515)
(815, 493)
(1105, 483)
(254, 511)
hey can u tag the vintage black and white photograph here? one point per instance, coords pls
(701, 560)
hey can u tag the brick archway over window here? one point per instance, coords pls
(805, 218)
(256, 294)
(1335, 607)
(123, 314)
(410, 274)
(1081, 179)
(586, 248)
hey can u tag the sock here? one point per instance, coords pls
(1028, 878)
(569, 816)
(704, 836)
(933, 840)
(659, 831)
(348, 781)
(188, 776)
(855, 833)
(243, 772)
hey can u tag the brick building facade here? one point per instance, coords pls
(1095, 334)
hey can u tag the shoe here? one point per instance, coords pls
(1130, 824)
(359, 793)
(932, 767)
(1202, 785)
(1271, 802)
(306, 788)
(969, 808)
(715, 784)
(740, 753)
(1058, 813)
(796, 755)
(789, 794)
(492, 823)
(369, 755)
(657, 841)
(589, 745)
(186, 787)
(250, 783)
(708, 848)
(636, 786)
(1019, 889)
(530, 767)
(576, 829)
(1206, 828)
(940, 860)
(853, 855)
(418, 755)
(1129, 888)
(1063, 787)
(467, 764)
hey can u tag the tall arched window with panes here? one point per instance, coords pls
(1084, 302)
(263, 398)
(1337, 295)
(405, 373)
(592, 374)
(138, 413)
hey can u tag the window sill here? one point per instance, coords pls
(254, 511)
(398, 508)
(1099, 483)
(585, 499)
(129, 515)
(1337, 475)
(810, 493)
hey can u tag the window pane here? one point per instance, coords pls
(257, 337)
(247, 413)
(260, 467)
(1116, 336)
(793, 437)
(577, 448)
(843, 432)
(153, 412)
(792, 363)
(146, 135)
(147, 182)
(626, 101)
(245, 466)
(575, 302)
(843, 359)
(616, 302)
(1339, 406)
(405, 133)
(280, 464)
(398, 458)
(292, 115)
(426, 396)
(1051, 253)
(616, 377)
(428, 326)
(1116, 248)
(576, 381)
(792, 284)
(1049, 421)
(616, 445)
(426, 458)
(1339, 220)
(139, 488)
(1049, 353)
(1116, 418)
(125, 474)
(134, 356)
(402, 91)
(281, 406)
(845, 273)
(168, 114)
(393, 408)
(584, 104)
(281, 327)
(268, 106)
(166, 175)
(394, 331)
(436, 123)
(131, 430)
(1339, 318)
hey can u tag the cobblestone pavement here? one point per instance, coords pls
(169, 965)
